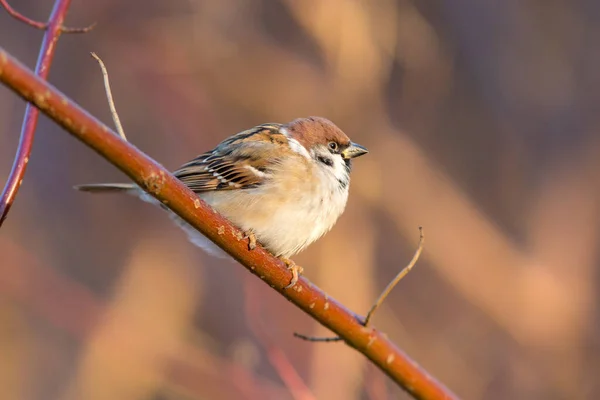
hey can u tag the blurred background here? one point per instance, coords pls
(481, 118)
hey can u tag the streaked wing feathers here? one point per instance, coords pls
(239, 162)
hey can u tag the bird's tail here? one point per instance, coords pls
(107, 187)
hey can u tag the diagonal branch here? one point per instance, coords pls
(53, 28)
(157, 181)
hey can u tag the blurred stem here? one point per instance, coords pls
(158, 182)
(20, 17)
(54, 27)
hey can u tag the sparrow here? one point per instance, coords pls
(284, 185)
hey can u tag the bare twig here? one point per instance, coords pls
(41, 25)
(109, 97)
(53, 30)
(381, 297)
(85, 29)
(317, 338)
(17, 15)
(161, 184)
(398, 278)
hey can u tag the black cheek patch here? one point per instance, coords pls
(348, 164)
(325, 160)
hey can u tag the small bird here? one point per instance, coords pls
(285, 185)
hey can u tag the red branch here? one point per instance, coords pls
(53, 30)
(159, 182)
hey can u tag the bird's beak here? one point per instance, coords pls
(354, 150)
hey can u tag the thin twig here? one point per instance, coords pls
(318, 339)
(46, 54)
(18, 16)
(381, 297)
(398, 278)
(109, 97)
(85, 29)
(162, 185)
(41, 25)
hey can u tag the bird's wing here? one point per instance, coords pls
(240, 162)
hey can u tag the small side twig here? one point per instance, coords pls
(381, 297)
(109, 97)
(20, 17)
(398, 278)
(41, 25)
(318, 339)
(85, 29)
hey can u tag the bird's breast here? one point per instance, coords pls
(286, 214)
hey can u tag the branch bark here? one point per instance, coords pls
(158, 182)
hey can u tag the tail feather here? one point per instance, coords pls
(106, 187)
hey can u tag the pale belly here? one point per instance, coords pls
(284, 226)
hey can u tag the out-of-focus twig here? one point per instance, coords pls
(84, 29)
(54, 27)
(162, 185)
(381, 297)
(18, 16)
(109, 97)
(41, 25)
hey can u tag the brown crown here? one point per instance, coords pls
(316, 130)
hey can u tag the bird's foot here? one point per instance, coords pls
(251, 239)
(296, 271)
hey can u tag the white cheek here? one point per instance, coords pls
(340, 168)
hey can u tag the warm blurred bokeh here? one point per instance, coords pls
(481, 118)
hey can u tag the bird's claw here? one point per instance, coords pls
(251, 239)
(296, 271)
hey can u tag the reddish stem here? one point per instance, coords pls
(53, 28)
(17, 15)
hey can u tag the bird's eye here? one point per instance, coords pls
(333, 146)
